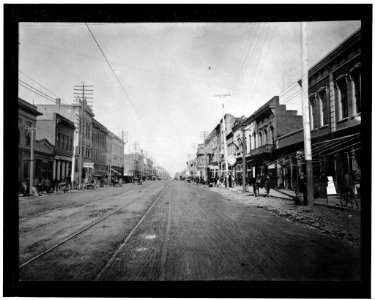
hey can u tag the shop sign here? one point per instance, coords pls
(331, 190)
(88, 165)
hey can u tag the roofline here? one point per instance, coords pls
(331, 55)
(29, 107)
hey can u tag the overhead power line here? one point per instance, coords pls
(36, 91)
(39, 84)
(114, 73)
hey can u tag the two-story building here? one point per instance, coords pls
(200, 161)
(73, 112)
(59, 132)
(213, 144)
(99, 149)
(269, 122)
(230, 146)
(335, 118)
(27, 115)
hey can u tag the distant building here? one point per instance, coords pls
(99, 147)
(117, 165)
(268, 123)
(27, 114)
(200, 156)
(213, 149)
(72, 112)
(229, 122)
(59, 132)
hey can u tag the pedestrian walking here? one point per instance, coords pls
(35, 187)
(47, 185)
(25, 187)
(256, 185)
(357, 182)
(302, 183)
(323, 183)
(267, 185)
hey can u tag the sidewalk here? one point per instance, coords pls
(331, 220)
(333, 201)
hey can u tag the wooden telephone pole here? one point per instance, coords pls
(31, 130)
(306, 117)
(81, 95)
(244, 151)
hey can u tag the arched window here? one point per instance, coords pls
(27, 137)
(323, 108)
(356, 86)
(260, 139)
(312, 113)
(271, 136)
(19, 132)
(341, 90)
(265, 137)
(255, 139)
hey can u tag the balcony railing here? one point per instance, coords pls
(267, 148)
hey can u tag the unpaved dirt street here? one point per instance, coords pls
(191, 233)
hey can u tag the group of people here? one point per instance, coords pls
(257, 182)
(41, 185)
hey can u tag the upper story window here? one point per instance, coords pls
(58, 140)
(323, 103)
(342, 94)
(255, 140)
(356, 85)
(312, 113)
(27, 137)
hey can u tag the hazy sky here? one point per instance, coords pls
(171, 72)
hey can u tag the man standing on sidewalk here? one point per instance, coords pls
(323, 180)
(267, 184)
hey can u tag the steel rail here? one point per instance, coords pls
(88, 208)
(61, 208)
(75, 234)
(114, 255)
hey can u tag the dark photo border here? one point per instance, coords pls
(15, 13)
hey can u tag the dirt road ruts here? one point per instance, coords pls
(196, 234)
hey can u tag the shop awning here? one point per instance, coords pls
(114, 171)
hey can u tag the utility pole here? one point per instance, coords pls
(31, 130)
(81, 95)
(244, 150)
(306, 117)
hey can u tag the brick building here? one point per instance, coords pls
(59, 132)
(72, 112)
(335, 112)
(99, 149)
(27, 114)
(266, 125)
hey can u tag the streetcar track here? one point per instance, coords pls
(164, 249)
(81, 231)
(116, 253)
(89, 207)
(62, 208)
